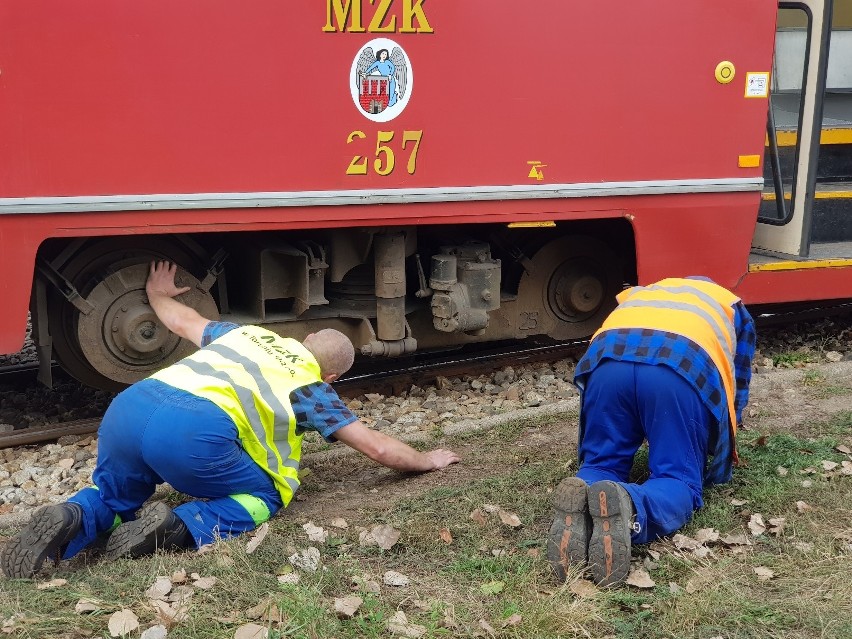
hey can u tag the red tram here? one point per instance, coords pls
(415, 173)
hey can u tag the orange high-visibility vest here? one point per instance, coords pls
(699, 311)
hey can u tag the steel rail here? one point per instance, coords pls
(396, 377)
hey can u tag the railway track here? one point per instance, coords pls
(392, 377)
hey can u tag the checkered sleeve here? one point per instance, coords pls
(746, 340)
(215, 330)
(318, 407)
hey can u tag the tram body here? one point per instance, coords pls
(416, 173)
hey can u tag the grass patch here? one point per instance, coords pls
(492, 575)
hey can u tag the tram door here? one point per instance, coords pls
(806, 207)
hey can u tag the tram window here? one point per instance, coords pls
(784, 118)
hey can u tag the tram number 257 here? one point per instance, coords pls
(385, 158)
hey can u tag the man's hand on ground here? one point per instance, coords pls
(441, 458)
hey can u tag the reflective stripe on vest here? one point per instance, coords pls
(249, 373)
(700, 311)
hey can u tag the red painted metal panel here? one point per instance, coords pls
(805, 285)
(108, 97)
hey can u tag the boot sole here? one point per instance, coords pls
(609, 546)
(133, 538)
(44, 536)
(568, 536)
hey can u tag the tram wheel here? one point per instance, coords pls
(570, 288)
(121, 340)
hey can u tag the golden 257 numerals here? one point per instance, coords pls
(384, 159)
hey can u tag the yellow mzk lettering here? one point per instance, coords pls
(341, 10)
(410, 10)
(379, 17)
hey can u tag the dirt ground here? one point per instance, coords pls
(343, 484)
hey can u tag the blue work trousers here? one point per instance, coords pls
(625, 403)
(154, 433)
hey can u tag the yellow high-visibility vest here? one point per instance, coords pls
(700, 311)
(249, 373)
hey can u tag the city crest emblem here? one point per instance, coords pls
(381, 80)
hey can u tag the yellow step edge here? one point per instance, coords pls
(819, 195)
(798, 266)
(828, 136)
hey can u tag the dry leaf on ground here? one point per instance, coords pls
(258, 537)
(181, 594)
(122, 623)
(53, 583)
(205, 583)
(510, 519)
(829, 465)
(346, 607)
(776, 525)
(381, 535)
(736, 540)
(159, 589)
(446, 536)
(267, 610)
(155, 632)
(170, 613)
(707, 535)
(756, 524)
(682, 542)
(87, 605)
(315, 533)
(307, 559)
(394, 578)
(583, 588)
(803, 506)
(251, 631)
(763, 573)
(399, 625)
(701, 552)
(640, 578)
(478, 516)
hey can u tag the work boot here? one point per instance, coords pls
(611, 510)
(568, 539)
(47, 535)
(157, 528)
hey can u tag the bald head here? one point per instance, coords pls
(333, 351)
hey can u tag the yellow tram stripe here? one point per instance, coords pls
(531, 225)
(796, 266)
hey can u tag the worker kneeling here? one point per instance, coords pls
(224, 424)
(670, 365)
